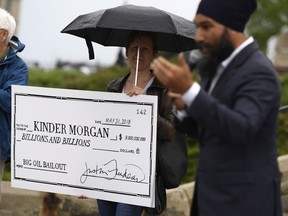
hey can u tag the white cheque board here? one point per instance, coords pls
(98, 144)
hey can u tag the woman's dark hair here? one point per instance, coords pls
(135, 34)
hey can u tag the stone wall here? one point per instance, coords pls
(20, 202)
(283, 164)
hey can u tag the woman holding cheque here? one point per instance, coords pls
(146, 84)
(141, 49)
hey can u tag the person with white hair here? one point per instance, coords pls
(13, 71)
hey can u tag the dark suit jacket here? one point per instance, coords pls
(238, 172)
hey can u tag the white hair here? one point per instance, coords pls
(7, 22)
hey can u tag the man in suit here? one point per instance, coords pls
(233, 112)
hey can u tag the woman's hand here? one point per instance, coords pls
(135, 91)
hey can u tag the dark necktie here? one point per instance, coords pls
(208, 83)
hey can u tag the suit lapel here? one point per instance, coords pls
(234, 64)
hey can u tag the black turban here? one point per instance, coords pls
(233, 14)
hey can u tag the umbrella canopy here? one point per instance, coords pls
(111, 27)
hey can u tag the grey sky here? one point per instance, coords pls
(41, 21)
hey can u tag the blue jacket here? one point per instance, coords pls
(13, 71)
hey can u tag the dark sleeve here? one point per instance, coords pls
(248, 101)
(188, 126)
(165, 120)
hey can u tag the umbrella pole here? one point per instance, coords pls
(137, 63)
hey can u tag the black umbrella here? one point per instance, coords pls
(111, 27)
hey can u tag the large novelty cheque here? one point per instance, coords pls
(98, 144)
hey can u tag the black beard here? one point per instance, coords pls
(207, 67)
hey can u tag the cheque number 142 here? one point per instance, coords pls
(141, 111)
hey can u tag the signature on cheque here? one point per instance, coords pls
(110, 171)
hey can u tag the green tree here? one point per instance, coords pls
(268, 20)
